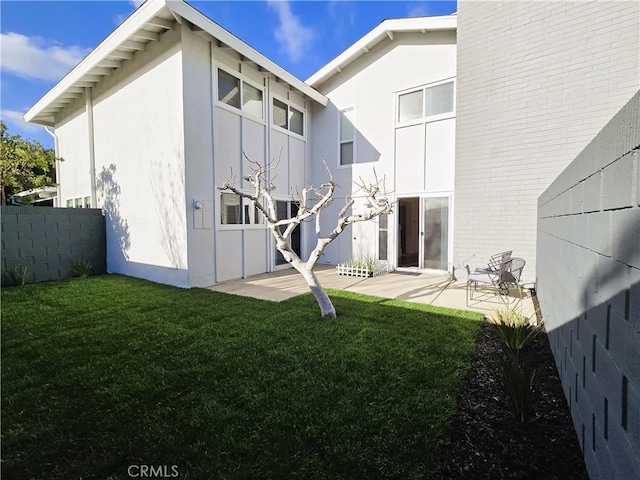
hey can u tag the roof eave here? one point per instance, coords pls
(189, 13)
(385, 30)
(44, 111)
(134, 23)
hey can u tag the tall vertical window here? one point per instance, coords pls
(383, 237)
(347, 135)
(239, 94)
(288, 209)
(425, 103)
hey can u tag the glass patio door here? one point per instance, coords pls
(435, 233)
(286, 209)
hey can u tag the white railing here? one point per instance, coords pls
(362, 271)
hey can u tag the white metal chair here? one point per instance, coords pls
(496, 275)
(495, 261)
(515, 272)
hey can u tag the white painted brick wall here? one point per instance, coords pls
(536, 82)
(588, 267)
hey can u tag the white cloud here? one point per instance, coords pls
(118, 19)
(14, 119)
(294, 37)
(425, 9)
(32, 57)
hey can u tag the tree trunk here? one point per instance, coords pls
(327, 310)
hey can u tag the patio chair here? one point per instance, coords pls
(495, 261)
(498, 279)
(515, 272)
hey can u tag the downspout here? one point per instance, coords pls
(92, 152)
(58, 202)
(271, 261)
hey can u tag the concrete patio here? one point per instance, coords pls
(433, 289)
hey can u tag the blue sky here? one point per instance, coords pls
(42, 41)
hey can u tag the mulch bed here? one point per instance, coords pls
(487, 443)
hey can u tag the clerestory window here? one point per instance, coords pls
(239, 94)
(426, 104)
(288, 117)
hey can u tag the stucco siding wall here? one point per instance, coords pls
(588, 265)
(198, 143)
(370, 85)
(243, 139)
(73, 173)
(536, 82)
(140, 163)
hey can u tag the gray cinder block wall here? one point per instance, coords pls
(536, 81)
(50, 241)
(588, 265)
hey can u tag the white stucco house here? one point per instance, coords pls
(160, 113)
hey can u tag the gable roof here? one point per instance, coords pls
(385, 30)
(146, 25)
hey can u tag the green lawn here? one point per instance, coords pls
(106, 372)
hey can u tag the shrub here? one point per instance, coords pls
(82, 268)
(517, 381)
(514, 329)
(514, 372)
(368, 262)
(19, 275)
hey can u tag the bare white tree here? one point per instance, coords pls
(311, 202)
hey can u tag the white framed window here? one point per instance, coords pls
(383, 237)
(410, 106)
(252, 102)
(228, 89)
(240, 94)
(236, 210)
(438, 99)
(280, 114)
(287, 117)
(428, 103)
(78, 202)
(230, 211)
(346, 147)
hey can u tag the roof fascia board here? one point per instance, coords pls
(383, 31)
(192, 15)
(135, 22)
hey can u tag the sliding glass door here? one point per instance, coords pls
(286, 209)
(435, 233)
